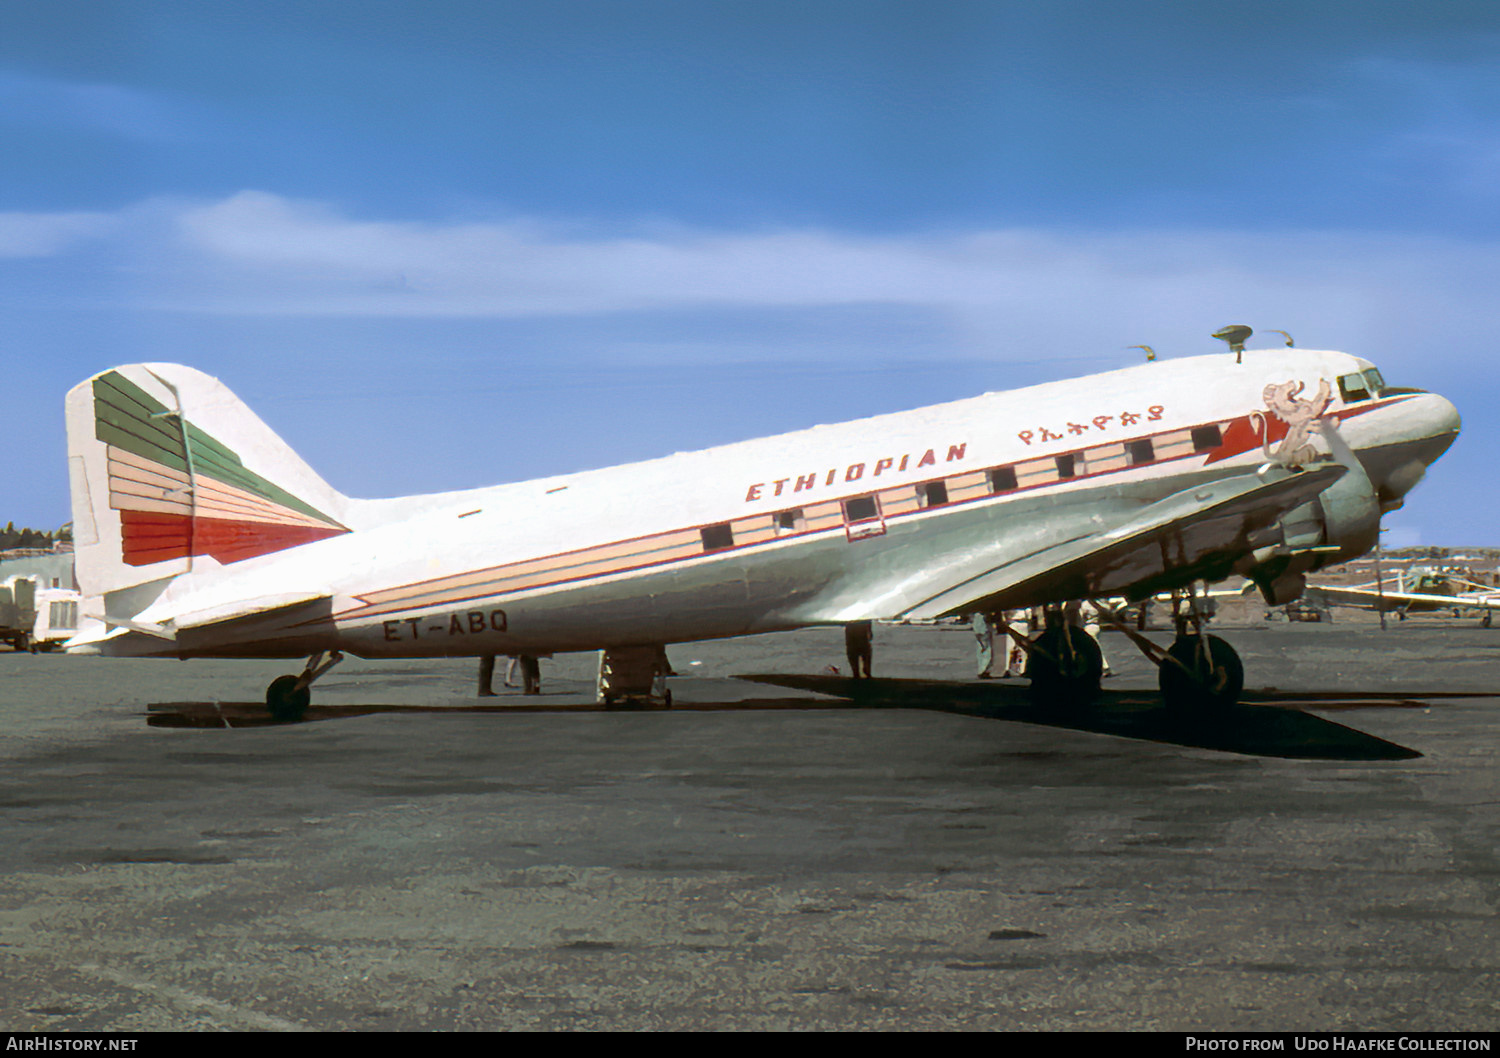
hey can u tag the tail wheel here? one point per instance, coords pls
(287, 701)
(1189, 680)
(1064, 667)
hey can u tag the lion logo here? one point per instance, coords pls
(1301, 418)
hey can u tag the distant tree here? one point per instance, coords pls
(11, 538)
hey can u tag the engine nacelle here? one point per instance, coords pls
(1351, 516)
(1343, 522)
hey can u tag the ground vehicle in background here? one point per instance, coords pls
(34, 618)
(17, 611)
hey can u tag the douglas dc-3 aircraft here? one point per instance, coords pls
(204, 535)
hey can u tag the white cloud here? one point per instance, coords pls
(524, 269)
(1000, 293)
(1007, 294)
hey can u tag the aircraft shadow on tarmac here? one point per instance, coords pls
(1264, 723)
(254, 714)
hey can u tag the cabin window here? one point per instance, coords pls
(786, 521)
(1353, 388)
(1002, 479)
(1069, 465)
(1140, 451)
(1207, 438)
(716, 537)
(860, 509)
(932, 493)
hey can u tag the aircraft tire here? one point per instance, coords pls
(1196, 689)
(1058, 681)
(285, 701)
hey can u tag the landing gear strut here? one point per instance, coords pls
(287, 697)
(1063, 663)
(1065, 666)
(1198, 671)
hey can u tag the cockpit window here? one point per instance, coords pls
(1374, 381)
(1353, 388)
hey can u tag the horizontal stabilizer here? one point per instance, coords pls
(267, 613)
(260, 606)
(113, 626)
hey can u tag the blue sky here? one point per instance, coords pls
(445, 244)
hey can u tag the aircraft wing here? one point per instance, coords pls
(1165, 543)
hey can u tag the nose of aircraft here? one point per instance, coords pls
(1440, 423)
(1430, 425)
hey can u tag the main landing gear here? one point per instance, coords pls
(288, 696)
(1065, 665)
(1200, 672)
(634, 676)
(1063, 662)
(1197, 673)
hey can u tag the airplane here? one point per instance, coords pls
(1417, 590)
(200, 533)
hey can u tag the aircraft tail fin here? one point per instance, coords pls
(171, 473)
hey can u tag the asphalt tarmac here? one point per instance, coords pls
(931, 852)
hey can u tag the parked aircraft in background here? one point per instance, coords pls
(1414, 591)
(204, 535)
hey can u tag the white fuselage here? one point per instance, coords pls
(784, 531)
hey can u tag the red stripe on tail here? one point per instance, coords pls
(150, 537)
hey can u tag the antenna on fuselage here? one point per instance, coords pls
(1289, 343)
(1150, 352)
(1235, 334)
